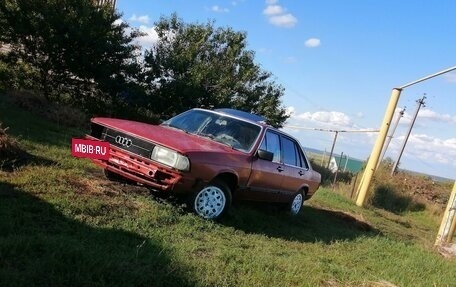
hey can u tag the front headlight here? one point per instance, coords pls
(171, 158)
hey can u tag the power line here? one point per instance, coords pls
(336, 132)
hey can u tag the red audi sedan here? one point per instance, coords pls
(212, 156)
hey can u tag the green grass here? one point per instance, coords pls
(63, 224)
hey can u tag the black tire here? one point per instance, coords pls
(212, 201)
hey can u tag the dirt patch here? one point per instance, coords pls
(355, 221)
(424, 188)
(102, 187)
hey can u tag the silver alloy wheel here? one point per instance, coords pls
(210, 202)
(296, 204)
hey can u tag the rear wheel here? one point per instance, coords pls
(212, 201)
(296, 204)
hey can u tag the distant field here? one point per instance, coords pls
(63, 224)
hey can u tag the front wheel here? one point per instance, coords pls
(212, 201)
(296, 204)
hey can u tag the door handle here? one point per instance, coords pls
(279, 168)
(300, 173)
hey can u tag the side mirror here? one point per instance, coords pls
(264, 154)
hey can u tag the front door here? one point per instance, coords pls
(265, 181)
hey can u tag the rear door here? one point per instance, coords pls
(296, 168)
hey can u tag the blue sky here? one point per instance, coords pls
(338, 62)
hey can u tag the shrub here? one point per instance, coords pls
(16, 76)
(63, 114)
(386, 196)
(10, 152)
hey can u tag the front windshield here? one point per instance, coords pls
(230, 131)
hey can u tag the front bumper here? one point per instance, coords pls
(147, 172)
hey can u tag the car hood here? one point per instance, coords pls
(165, 136)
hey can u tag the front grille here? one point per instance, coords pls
(136, 146)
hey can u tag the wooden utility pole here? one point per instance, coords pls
(448, 225)
(420, 103)
(332, 148)
(337, 170)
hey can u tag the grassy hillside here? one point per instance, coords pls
(63, 224)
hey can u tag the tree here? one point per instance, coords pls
(80, 52)
(199, 65)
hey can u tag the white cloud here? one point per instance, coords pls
(313, 43)
(141, 19)
(150, 37)
(273, 10)
(278, 16)
(118, 22)
(430, 149)
(322, 119)
(285, 20)
(146, 41)
(290, 110)
(434, 116)
(219, 9)
(426, 116)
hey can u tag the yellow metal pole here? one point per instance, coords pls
(448, 225)
(376, 151)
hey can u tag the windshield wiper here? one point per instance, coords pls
(214, 138)
(174, 127)
(210, 136)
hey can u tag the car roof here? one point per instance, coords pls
(242, 115)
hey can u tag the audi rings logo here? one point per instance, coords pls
(123, 141)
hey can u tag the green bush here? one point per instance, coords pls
(17, 76)
(387, 197)
(36, 103)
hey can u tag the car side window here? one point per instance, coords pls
(304, 163)
(290, 155)
(271, 143)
